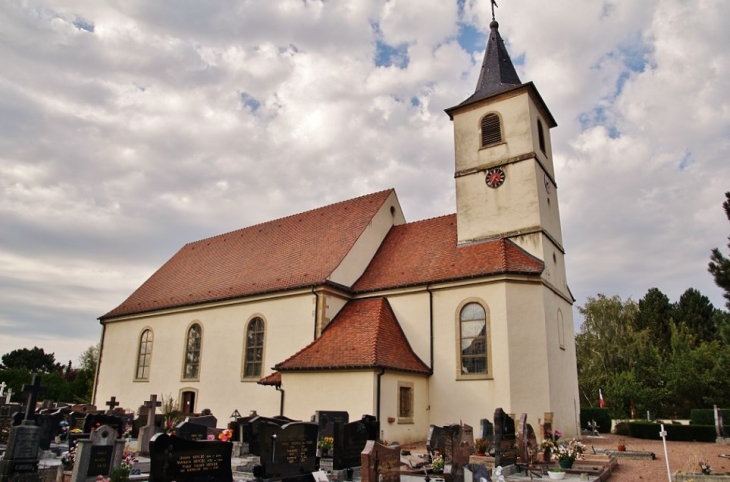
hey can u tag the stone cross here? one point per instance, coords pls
(31, 393)
(2, 389)
(10, 394)
(112, 404)
(152, 404)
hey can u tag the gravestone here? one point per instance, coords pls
(191, 431)
(50, 426)
(350, 440)
(98, 455)
(436, 441)
(467, 437)
(149, 430)
(20, 461)
(254, 432)
(457, 450)
(379, 463)
(112, 404)
(719, 425)
(93, 420)
(505, 452)
(527, 441)
(326, 420)
(209, 421)
(487, 431)
(593, 426)
(286, 451)
(179, 460)
(244, 431)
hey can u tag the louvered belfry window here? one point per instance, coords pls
(491, 130)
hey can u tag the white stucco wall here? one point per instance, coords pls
(289, 323)
(397, 430)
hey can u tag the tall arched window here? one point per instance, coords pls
(541, 136)
(491, 130)
(473, 326)
(144, 355)
(192, 352)
(561, 329)
(254, 350)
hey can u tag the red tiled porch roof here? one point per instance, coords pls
(427, 251)
(274, 380)
(287, 253)
(364, 334)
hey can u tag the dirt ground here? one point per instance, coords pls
(684, 456)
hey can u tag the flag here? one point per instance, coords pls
(600, 399)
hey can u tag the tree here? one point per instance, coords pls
(655, 315)
(696, 311)
(719, 265)
(35, 360)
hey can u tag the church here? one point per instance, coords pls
(350, 307)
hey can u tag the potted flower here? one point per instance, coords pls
(568, 452)
(548, 447)
(325, 445)
(481, 446)
(621, 445)
(556, 473)
(437, 464)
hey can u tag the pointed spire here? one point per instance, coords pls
(497, 73)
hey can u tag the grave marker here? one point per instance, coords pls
(487, 432)
(350, 440)
(436, 441)
(149, 430)
(97, 455)
(326, 420)
(112, 404)
(504, 439)
(719, 425)
(380, 463)
(286, 451)
(32, 391)
(179, 460)
(22, 455)
(191, 431)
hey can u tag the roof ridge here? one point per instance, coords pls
(272, 221)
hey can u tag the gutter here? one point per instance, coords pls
(281, 404)
(316, 316)
(430, 326)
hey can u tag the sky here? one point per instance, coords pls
(128, 129)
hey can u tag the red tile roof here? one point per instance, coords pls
(364, 334)
(427, 251)
(292, 252)
(274, 379)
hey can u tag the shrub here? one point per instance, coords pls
(706, 416)
(601, 415)
(622, 428)
(687, 433)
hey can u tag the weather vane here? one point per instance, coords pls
(494, 4)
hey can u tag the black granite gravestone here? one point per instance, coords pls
(94, 420)
(505, 452)
(286, 451)
(436, 441)
(326, 420)
(350, 440)
(487, 432)
(254, 429)
(208, 421)
(191, 431)
(173, 459)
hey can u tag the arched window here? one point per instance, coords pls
(144, 355)
(491, 130)
(192, 352)
(254, 350)
(541, 136)
(473, 326)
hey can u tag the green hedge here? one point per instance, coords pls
(601, 415)
(687, 433)
(706, 416)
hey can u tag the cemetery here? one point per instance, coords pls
(50, 441)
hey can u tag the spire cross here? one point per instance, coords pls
(31, 392)
(494, 4)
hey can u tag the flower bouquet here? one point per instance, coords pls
(568, 452)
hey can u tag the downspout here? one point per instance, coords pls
(377, 408)
(316, 316)
(281, 404)
(430, 324)
(98, 363)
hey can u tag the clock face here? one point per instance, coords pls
(547, 184)
(495, 178)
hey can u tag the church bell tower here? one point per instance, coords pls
(505, 180)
